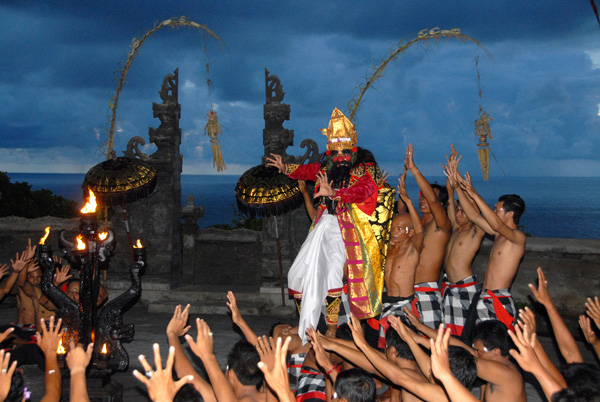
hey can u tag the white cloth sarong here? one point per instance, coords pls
(318, 267)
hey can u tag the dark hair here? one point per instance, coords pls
(462, 365)
(188, 393)
(493, 334)
(344, 332)
(17, 388)
(442, 193)
(392, 338)
(272, 329)
(513, 203)
(575, 395)
(243, 359)
(355, 385)
(582, 376)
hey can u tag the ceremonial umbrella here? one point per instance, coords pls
(121, 180)
(262, 191)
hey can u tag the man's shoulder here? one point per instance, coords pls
(359, 171)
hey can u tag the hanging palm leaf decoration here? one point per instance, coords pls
(425, 36)
(121, 73)
(213, 130)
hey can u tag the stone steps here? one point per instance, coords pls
(160, 298)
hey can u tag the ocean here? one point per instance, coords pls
(563, 207)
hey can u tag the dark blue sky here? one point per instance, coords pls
(542, 84)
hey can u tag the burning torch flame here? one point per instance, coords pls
(90, 206)
(80, 243)
(104, 350)
(43, 239)
(138, 244)
(102, 235)
(61, 350)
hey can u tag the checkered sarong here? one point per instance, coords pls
(311, 386)
(294, 366)
(430, 300)
(457, 300)
(496, 305)
(395, 306)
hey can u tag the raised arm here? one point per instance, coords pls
(47, 340)
(440, 367)
(178, 327)
(493, 220)
(238, 320)
(77, 361)
(436, 208)
(417, 239)
(527, 318)
(526, 358)
(276, 375)
(203, 348)
(159, 382)
(564, 338)
(419, 387)
(422, 359)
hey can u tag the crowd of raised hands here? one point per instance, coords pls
(431, 379)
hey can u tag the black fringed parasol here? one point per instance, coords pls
(262, 191)
(120, 180)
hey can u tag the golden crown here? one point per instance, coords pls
(341, 133)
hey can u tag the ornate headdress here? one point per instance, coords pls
(341, 133)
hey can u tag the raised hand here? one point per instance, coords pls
(277, 376)
(266, 351)
(29, 251)
(48, 339)
(276, 161)
(408, 162)
(402, 185)
(440, 363)
(178, 324)
(526, 356)
(62, 275)
(203, 346)
(3, 270)
(159, 382)
(527, 317)
(358, 334)
(78, 358)
(588, 331)
(593, 310)
(236, 316)
(465, 184)
(405, 333)
(19, 262)
(325, 189)
(321, 356)
(541, 292)
(6, 373)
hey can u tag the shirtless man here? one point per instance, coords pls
(436, 231)
(406, 239)
(507, 250)
(459, 284)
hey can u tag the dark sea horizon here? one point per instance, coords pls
(560, 207)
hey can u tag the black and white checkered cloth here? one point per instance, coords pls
(457, 298)
(311, 386)
(395, 306)
(430, 300)
(492, 300)
(294, 366)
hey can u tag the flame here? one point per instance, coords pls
(138, 244)
(80, 243)
(102, 235)
(61, 350)
(90, 206)
(43, 239)
(104, 350)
